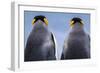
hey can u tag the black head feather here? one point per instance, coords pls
(39, 17)
(77, 20)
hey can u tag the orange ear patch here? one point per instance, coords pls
(46, 21)
(33, 21)
(71, 23)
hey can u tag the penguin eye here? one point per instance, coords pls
(46, 21)
(33, 21)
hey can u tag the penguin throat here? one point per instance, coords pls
(77, 26)
(40, 28)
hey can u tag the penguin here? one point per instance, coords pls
(41, 43)
(77, 44)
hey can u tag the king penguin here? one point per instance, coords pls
(77, 43)
(41, 43)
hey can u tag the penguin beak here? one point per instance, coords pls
(39, 22)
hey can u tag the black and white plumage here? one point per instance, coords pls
(40, 43)
(77, 44)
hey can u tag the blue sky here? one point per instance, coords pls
(58, 24)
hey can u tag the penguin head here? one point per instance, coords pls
(76, 20)
(40, 19)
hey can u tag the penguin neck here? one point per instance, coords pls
(40, 27)
(77, 26)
